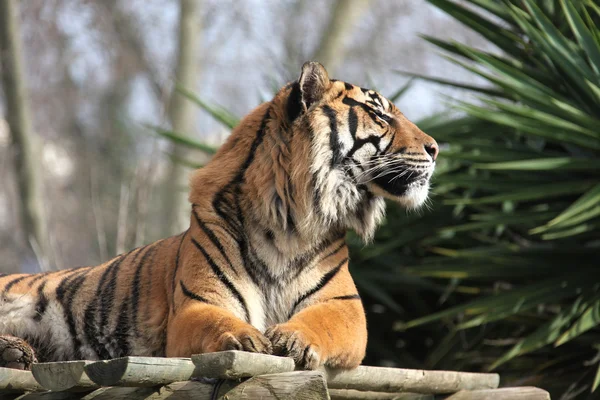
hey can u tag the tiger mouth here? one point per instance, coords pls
(397, 184)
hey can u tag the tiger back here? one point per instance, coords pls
(263, 266)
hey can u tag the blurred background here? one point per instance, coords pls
(106, 107)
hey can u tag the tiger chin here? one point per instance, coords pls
(263, 266)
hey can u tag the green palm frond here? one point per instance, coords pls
(524, 185)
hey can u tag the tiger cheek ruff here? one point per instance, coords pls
(263, 266)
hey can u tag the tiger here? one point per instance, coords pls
(263, 266)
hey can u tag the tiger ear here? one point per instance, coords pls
(313, 82)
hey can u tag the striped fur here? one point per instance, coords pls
(263, 266)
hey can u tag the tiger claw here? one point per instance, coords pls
(293, 343)
(254, 342)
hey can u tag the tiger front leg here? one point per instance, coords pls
(332, 333)
(203, 328)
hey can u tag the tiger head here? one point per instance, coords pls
(363, 149)
(320, 157)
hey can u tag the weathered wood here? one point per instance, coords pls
(240, 364)
(140, 371)
(380, 379)
(123, 393)
(297, 385)
(65, 375)
(52, 396)
(349, 394)
(187, 390)
(300, 385)
(516, 393)
(16, 380)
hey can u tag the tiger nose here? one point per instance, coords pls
(432, 149)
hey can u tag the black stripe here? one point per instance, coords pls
(191, 294)
(175, 271)
(107, 298)
(135, 286)
(348, 86)
(257, 269)
(334, 141)
(62, 288)
(251, 266)
(387, 147)
(13, 282)
(293, 106)
(213, 238)
(352, 122)
(107, 302)
(42, 302)
(358, 143)
(347, 297)
(93, 328)
(260, 135)
(224, 228)
(122, 331)
(227, 210)
(349, 101)
(226, 201)
(290, 222)
(217, 271)
(334, 251)
(65, 294)
(231, 206)
(324, 281)
(37, 278)
(301, 262)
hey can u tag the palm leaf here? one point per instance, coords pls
(588, 320)
(546, 333)
(219, 113)
(185, 141)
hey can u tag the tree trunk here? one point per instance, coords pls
(182, 112)
(332, 50)
(24, 144)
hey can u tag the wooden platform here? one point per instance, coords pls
(235, 375)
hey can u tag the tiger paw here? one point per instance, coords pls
(300, 344)
(16, 353)
(248, 339)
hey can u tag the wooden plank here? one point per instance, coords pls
(140, 371)
(188, 390)
(235, 364)
(516, 393)
(123, 393)
(106, 393)
(17, 381)
(152, 371)
(52, 396)
(300, 385)
(297, 385)
(65, 375)
(349, 394)
(380, 379)
(239, 364)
